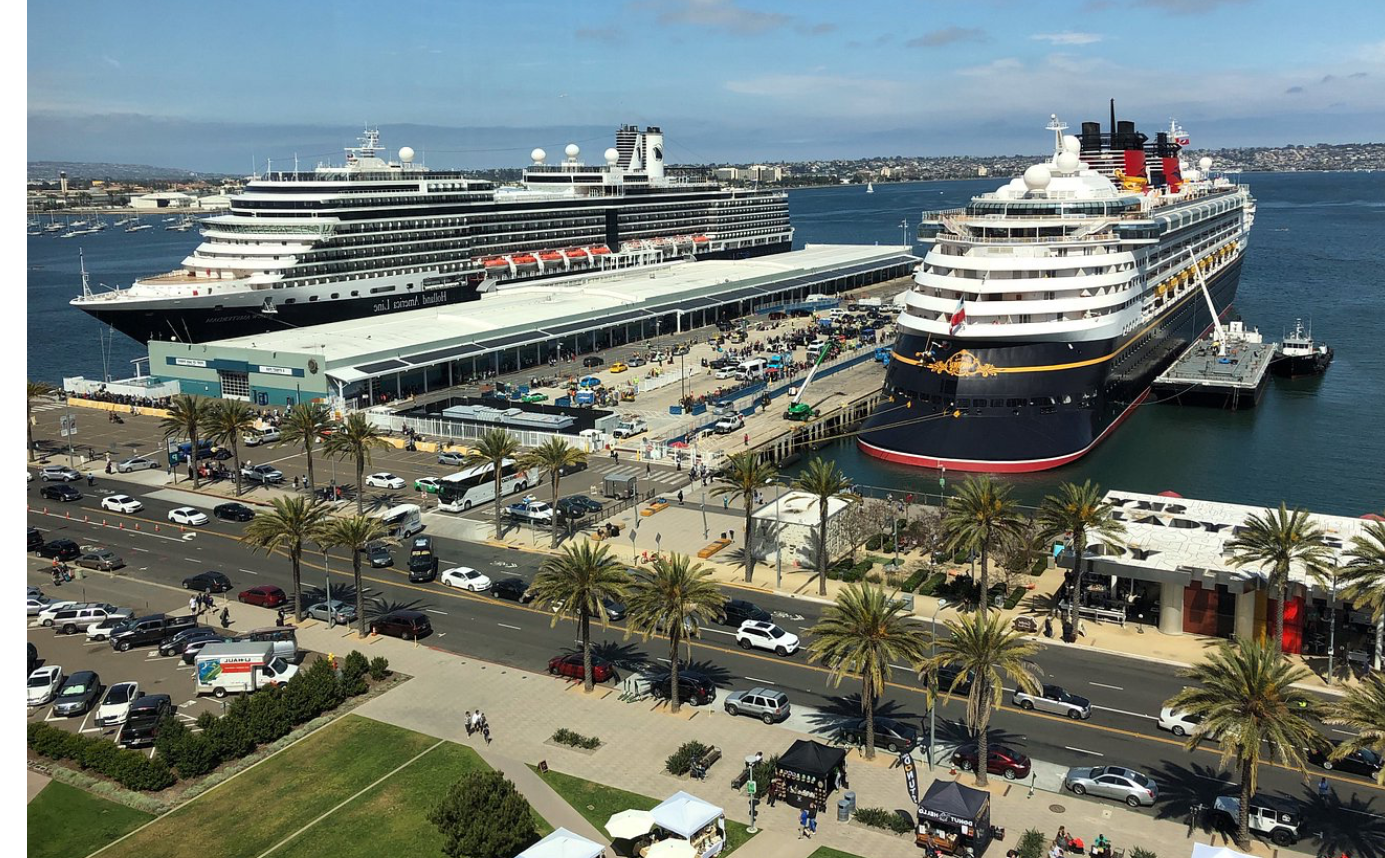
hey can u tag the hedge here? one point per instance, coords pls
(1031, 844)
(889, 820)
(680, 762)
(131, 769)
(930, 586)
(1014, 598)
(564, 736)
(915, 578)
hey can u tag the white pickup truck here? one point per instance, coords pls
(530, 510)
(630, 428)
(728, 424)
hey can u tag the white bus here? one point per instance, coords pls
(476, 485)
(403, 521)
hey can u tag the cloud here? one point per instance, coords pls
(1293, 90)
(111, 61)
(1328, 78)
(1005, 65)
(1187, 7)
(947, 36)
(824, 94)
(1358, 75)
(610, 35)
(724, 15)
(816, 29)
(1068, 38)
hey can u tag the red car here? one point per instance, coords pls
(1000, 761)
(571, 667)
(266, 596)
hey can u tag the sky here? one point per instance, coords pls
(228, 86)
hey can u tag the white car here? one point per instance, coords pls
(727, 372)
(49, 611)
(384, 480)
(121, 503)
(762, 635)
(1179, 723)
(187, 515)
(38, 603)
(465, 578)
(115, 706)
(102, 631)
(137, 463)
(44, 683)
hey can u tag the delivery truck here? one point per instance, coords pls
(238, 668)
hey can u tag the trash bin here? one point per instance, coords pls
(850, 799)
(843, 811)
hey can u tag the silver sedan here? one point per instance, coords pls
(1134, 788)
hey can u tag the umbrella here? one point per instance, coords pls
(671, 848)
(679, 444)
(629, 824)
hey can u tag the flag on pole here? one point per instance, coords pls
(959, 316)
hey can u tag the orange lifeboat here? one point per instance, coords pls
(600, 250)
(525, 262)
(495, 262)
(551, 256)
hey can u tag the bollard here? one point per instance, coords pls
(45, 510)
(103, 522)
(136, 525)
(67, 515)
(122, 525)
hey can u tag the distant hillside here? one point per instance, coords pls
(47, 171)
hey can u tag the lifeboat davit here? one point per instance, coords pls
(701, 240)
(601, 250)
(525, 262)
(577, 256)
(495, 263)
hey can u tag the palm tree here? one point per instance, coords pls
(1364, 576)
(33, 390)
(1246, 697)
(306, 423)
(553, 457)
(355, 438)
(825, 483)
(745, 474)
(1082, 512)
(861, 635)
(354, 534)
(980, 646)
(578, 581)
(1363, 710)
(187, 416)
(494, 448)
(978, 518)
(1274, 542)
(673, 597)
(230, 420)
(294, 522)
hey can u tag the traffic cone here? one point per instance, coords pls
(122, 525)
(103, 522)
(67, 515)
(136, 525)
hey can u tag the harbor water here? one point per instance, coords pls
(1316, 253)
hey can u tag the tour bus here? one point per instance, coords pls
(403, 521)
(476, 485)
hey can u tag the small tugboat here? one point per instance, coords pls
(1299, 355)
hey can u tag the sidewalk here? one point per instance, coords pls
(524, 709)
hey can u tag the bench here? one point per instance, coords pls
(657, 506)
(713, 548)
(699, 768)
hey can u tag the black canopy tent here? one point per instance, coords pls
(954, 818)
(807, 772)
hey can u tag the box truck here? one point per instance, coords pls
(240, 668)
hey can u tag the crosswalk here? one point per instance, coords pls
(52, 406)
(661, 476)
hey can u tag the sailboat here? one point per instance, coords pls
(870, 188)
(137, 226)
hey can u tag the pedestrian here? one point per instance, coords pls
(648, 468)
(732, 533)
(108, 465)
(225, 618)
(1062, 837)
(486, 731)
(1082, 627)
(680, 497)
(812, 821)
(803, 822)
(1323, 788)
(468, 722)
(747, 439)
(295, 482)
(279, 621)
(192, 605)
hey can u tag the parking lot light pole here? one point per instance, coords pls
(933, 703)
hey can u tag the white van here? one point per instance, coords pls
(261, 436)
(752, 370)
(403, 521)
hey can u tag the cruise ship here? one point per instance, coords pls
(379, 236)
(1043, 311)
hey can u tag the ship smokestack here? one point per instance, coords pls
(62, 181)
(1091, 137)
(1132, 144)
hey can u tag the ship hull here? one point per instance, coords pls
(1007, 407)
(196, 322)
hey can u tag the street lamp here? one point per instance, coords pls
(933, 704)
(1331, 627)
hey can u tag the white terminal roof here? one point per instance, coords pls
(518, 314)
(1181, 539)
(798, 508)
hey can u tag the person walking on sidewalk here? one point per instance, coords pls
(225, 618)
(803, 823)
(812, 820)
(193, 606)
(468, 722)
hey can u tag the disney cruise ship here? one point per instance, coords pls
(381, 236)
(1043, 311)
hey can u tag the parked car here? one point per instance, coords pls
(265, 596)
(737, 612)
(894, 736)
(143, 720)
(62, 493)
(78, 694)
(47, 616)
(256, 437)
(619, 366)
(763, 703)
(571, 667)
(137, 463)
(410, 625)
(693, 687)
(210, 581)
(75, 618)
(115, 707)
(178, 642)
(378, 555)
(428, 485)
(59, 473)
(451, 458)
(384, 480)
(1134, 788)
(187, 515)
(153, 629)
(761, 635)
(37, 604)
(728, 424)
(1276, 818)
(35, 539)
(233, 512)
(514, 589)
(102, 559)
(592, 360)
(334, 611)
(60, 549)
(1362, 761)
(465, 578)
(1001, 760)
(102, 630)
(1053, 698)
(267, 474)
(530, 510)
(121, 503)
(44, 684)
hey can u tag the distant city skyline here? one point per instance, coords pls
(223, 88)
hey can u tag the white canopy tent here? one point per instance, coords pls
(1205, 850)
(685, 814)
(563, 844)
(671, 848)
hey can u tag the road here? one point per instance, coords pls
(1126, 693)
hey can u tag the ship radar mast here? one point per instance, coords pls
(370, 144)
(1057, 126)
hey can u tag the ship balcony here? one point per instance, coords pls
(1015, 328)
(930, 306)
(1029, 262)
(996, 287)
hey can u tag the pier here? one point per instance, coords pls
(1203, 375)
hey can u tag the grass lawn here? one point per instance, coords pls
(597, 803)
(281, 795)
(66, 822)
(829, 852)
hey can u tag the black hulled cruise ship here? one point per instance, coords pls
(1044, 310)
(379, 236)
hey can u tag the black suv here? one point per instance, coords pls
(423, 563)
(410, 625)
(592, 360)
(738, 611)
(35, 539)
(378, 555)
(233, 512)
(146, 714)
(176, 644)
(514, 589)
(210, 581)
(693, 687)
(947, 675)
(62, 492)
(61, 549)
